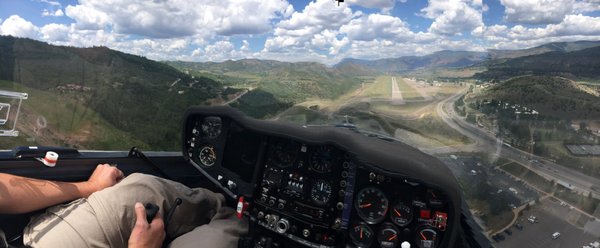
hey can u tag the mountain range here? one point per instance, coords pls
(122, 97)
(350, 66)
(580, 64)
(441, 59)
(550, 47)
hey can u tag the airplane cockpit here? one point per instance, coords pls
(297, 186)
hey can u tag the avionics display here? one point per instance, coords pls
(241, 152)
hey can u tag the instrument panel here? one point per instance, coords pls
(311, 193)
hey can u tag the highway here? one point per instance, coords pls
(487, 142)
(237, 97)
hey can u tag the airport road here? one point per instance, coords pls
(486, 141)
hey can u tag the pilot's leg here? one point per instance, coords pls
(224, 230)
(106, 218)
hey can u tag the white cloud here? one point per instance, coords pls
(245, 46)
(19, 27)
(536, 11)
(327, 41)
(377, 26)
(301, 27)
(197, 52)
(384, 5)
(220, 50)
(178, 18)
(53, 3)
(453, 17)
(321, 31)
(573, 27)
(87, 17)
(55, 32)
(58, 12)
(586, 6)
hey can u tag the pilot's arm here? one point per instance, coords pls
(22, 195)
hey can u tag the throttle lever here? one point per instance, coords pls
(177, 202)
(151, 211)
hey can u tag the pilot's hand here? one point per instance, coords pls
(103, 177)
(144, 234)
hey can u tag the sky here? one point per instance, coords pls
(303, 30)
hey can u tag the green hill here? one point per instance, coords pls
(130, 93)
(68, 123)
(579, 64)
(550, 47)
(551, 96)
(275, 84)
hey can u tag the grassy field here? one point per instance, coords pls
(381, 87)
(408, 92)
(407, 109)
(433, 127)
(69, 123)
(333, 105)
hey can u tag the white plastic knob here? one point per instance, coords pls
(50, 159)
(405, 244)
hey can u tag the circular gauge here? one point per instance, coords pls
(283, 153)
(434, 199)
(401, 214)
(283, 158)
(426, 238)
(361, 235)
(207, 155)
(211, 127)
(321, 160)
(321, 192)
(371, 205)
(387, 237)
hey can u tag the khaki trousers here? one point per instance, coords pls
(106, 218)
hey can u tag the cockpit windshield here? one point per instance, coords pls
(505, 92)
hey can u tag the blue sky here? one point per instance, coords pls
(300, 30)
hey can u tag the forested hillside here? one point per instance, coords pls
(276, 85)
(136, 95)
(579, 64)
(550, 96)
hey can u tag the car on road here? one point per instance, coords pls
(555, 235)
(533, 219)
(508, 231)
(519, 226)
(495, 238)
(564, 204)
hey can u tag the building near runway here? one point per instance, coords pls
(584, 150)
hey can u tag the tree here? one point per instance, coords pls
(582, 126)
